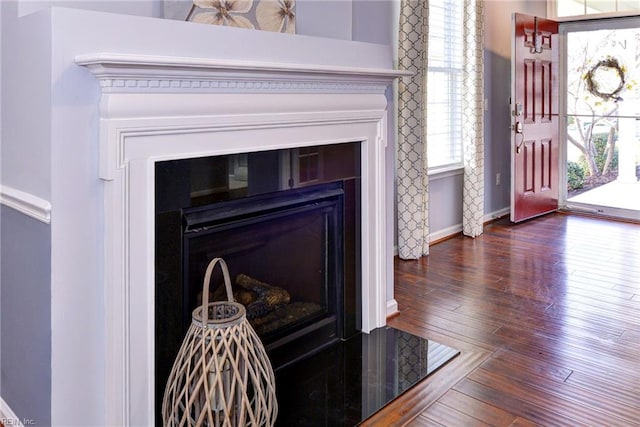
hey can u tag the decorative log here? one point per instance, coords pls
(269, 297)
(285, 315)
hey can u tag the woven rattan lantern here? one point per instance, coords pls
(221, 376)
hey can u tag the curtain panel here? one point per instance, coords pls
(412, 168)
(412, 179)
(473, 118)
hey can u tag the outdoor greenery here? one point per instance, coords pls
(575, 176)
(577, 172)
(604, 152)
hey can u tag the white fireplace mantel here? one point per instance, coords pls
(156, 108)
(128, 72)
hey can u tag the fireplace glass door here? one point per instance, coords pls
(284, 256)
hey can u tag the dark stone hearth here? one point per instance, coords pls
(349, 381)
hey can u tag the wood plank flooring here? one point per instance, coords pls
(546, 315)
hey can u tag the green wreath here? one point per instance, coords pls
(593, 86)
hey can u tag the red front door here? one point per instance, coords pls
(534, 105)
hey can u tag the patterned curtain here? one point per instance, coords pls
(473, 119)
(412, 179)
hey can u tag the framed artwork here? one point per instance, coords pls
(268, 15)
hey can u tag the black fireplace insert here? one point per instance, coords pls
(287, 222)
(285, 257)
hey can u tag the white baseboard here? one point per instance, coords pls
(26, 203)
(8, 417)
(455, 229)
(392, 307)
(445, 232)
(497, 214)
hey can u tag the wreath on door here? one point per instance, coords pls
(599, 77)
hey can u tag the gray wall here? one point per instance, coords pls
(373, 22)
(25, 243)
(25, 316)
(497, 67)
(326, 18)
(152, 8)
(497, 133)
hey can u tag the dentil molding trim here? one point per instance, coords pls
(26, 203)
(126, 72)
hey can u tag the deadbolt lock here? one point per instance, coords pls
(518, 127)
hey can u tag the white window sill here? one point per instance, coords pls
(445, 172)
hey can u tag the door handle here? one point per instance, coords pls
(518, 128)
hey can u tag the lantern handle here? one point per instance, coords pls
(207, 280)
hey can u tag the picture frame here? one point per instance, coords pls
(267, 15)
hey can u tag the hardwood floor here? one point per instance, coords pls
(546, 315)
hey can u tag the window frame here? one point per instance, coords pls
(552, 13)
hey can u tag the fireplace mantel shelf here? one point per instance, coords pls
(128, 72)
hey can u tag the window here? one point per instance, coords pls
(444, 85)
(584, 8)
